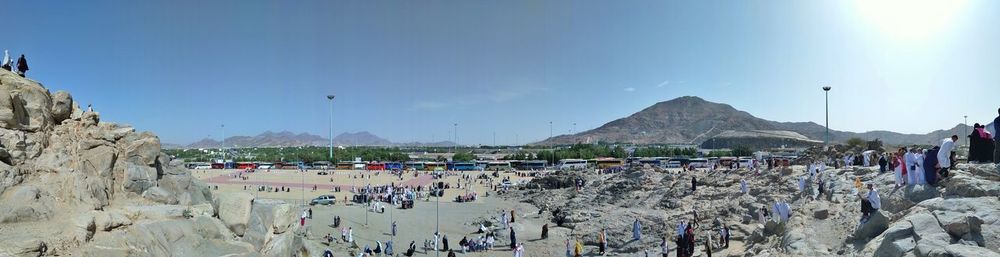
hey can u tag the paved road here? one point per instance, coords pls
(421, 180)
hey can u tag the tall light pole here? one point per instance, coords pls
(826, 91)
(330, 97)
(965, 125)
(437, 212)
(456, 137)
(223, 146)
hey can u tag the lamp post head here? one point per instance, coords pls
(826, 88)
(330, 97)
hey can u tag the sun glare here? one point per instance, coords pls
(909, 20)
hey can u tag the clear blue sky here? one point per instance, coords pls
(407, 70)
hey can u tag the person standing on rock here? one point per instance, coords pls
(899, 167)
(513, 239)
(996, 138)
(663, 247)
(882, 163)
(6, 64)
(569, 251)
(22, 66)
(545, 231)
(743, 186)
(636, 230)
(944, 155)
(694, 183)
(602, 241)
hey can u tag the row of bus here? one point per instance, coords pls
(564, 164)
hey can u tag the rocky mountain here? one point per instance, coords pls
(71, 185)
(359, 138)
(289, 139)
(692, 120)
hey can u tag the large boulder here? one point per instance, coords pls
(964, 185)
(159, 195)
(876, 224)
(30, 101)
(907, 197)
(138, 178)
(143, 149)
(62, 106)
(234, 211)
(896, 241)
(23, 247)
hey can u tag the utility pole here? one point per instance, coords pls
(330, 97)
(965, 125)
(826, 90)
(223, 146)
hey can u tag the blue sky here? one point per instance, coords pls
(408, 70)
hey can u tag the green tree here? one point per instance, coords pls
(742, 150)
(463, 157)
(855, 142)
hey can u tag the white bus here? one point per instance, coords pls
(572, 164)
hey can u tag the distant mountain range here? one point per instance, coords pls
(692, 120)
(289, 139)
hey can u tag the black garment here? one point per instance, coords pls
(513, 239)
(545, 231)
(882, 163)
(694, 184)
(451, 253)
(680, 246)
(22, 65)
(327, 253)
(444, 244)
(866, 207)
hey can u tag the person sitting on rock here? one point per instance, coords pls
(870, 203)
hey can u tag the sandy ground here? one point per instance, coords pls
(456, 220)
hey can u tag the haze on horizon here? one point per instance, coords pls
(407, 71)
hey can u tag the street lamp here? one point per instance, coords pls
(330, 97)
(437, 212)
(965, 125)
(826, 91)
(456, 137)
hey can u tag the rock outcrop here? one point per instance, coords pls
(957, 217)
(71, 185)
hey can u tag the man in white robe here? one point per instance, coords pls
(944, 155)
(919, 175)
(911, 166)
(743, 186)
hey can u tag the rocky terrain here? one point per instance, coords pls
(71, 185)
(959, 217)
(692, 120)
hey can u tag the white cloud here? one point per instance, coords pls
(663, 84)
(629, 89)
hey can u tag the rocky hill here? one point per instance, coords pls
(71, 185)
(289, 139)
(956, 218)
(692, 120)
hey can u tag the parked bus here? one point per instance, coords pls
(322, 165)
(698, 163)
(414, 165)
(345, 165)
(393, 166)
(572, 164)
(498, 166)
(432, 166)
(604, 163)
(535, 165)
(464, 166)
(375, 166)
(265, 165)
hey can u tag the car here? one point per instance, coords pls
(324, 200)
(323, 173)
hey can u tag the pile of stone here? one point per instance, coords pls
(958, 217)
(73, 185)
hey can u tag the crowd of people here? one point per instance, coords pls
(8, 64)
